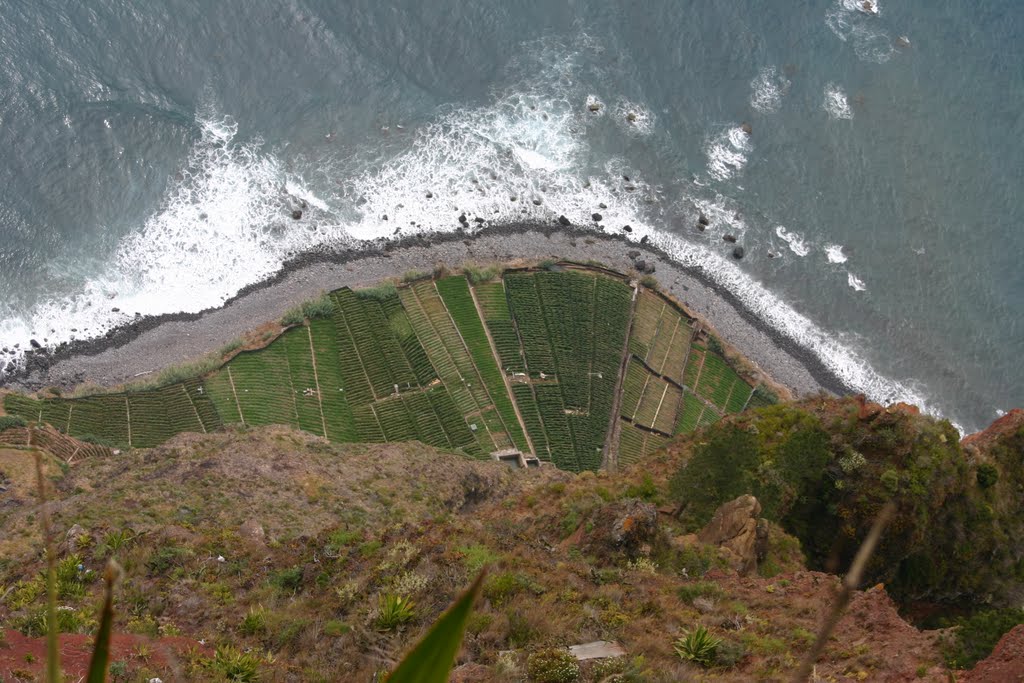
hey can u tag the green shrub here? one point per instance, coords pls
(71, 578)
(8, 421)
(552, 665)
(320, 307)
(649, 281)
(475, 556)
(977, 635)
(380, 292)
(645, 490)
(335, 628)
(230, 347)
(987, 474)
(254, 622)
(415, 275)
(500, 588)
(394, 611)
(480, 274)
(165, 557)
(729, 653)
(688, 592)
(520, 631)
(114, 541)
(287, 579)
(697, 646)
(293, 316)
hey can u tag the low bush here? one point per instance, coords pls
(688, 592)
(8, 421)
(976, 635)
(552, 665)
(287, 580)
(254, 622)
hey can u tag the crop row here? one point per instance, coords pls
(459, 301)
(645, 323)
(454, 360)
(378, 364)
(636, 444)
(529, 318)
(694, 414)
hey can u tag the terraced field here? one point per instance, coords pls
(674, 384)
(529, 362)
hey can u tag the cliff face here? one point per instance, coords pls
(825, 468)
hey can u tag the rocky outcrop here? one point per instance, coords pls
(628, 527)
(735, 530)
(1007, 424)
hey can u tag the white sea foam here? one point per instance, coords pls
(634, 118)
(225, 225)
(835, 103)
(727, 152)
(767, 89)
(834, 253)
(855, 282)
(858, 26)
(796, 243)
(222, 227)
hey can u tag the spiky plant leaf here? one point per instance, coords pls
(430, 661)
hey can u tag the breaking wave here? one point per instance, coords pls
(524, 157)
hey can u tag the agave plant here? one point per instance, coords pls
(394, 611)
(697, 646)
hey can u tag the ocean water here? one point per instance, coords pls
(152, 154)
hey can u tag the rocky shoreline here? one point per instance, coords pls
(150, 344)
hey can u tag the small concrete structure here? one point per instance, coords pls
(599, 649)
(515, 458)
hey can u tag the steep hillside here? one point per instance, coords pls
(281, 545)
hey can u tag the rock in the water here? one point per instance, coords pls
(479, 219)
(430, 195)
(602, 205)
(734, 529)
(562, 220)
(703, 220)
(34, 344)
(731, 239)
(701, 227)
(641, 265)
(633, 254)
(115, 310)
(596, 217)
(627, 228)
(594, 107)
(536, 202)
(738, 252)
(747, 128)
(296, 214)
(644, 239)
